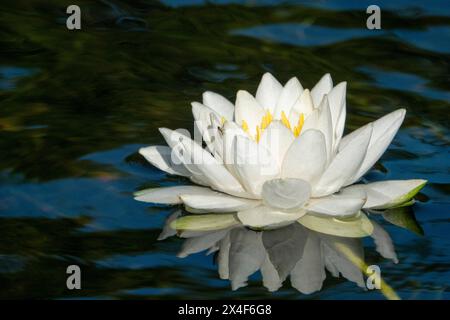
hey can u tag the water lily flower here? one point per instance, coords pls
(278, 156)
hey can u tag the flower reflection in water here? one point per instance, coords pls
(301, 251)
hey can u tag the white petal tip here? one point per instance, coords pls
(164, 131)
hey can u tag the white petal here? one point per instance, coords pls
(311, 121)
(306, 158)
(254, 164)
(289, 95)
(286, 194)
(262, 217)
(217, 202)
(201, 243)
(304, 104)
(344, 165)
(383, 242)
(179, 156)
(322, 88)
(209, 168)
(336, 99)
(277, 139)
(345, 203)
(247, 254)
(268, 92)
(248, 110)
(160, 157)
(320, 119)
(309, 273)
(168, 195)
(208, 124)
(219, 104)
(231, 130)
(384, 130)
(387, 194)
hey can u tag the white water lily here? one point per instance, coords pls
(279, 155)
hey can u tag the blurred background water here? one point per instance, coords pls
(75, 106)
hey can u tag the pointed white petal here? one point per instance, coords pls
(337, 102)
(209, 168)
(160, 157)
(179, 156)
(248, 110)
(208, 124)
(286, 194)
(391, 193)
(306, 158)
(322, 88)
(309, 273)
(217, 202)
(383, 242)
(320, 119)
(231, 130)
(219, 104)
(304, 104)
(311, 121)
(268, 92)
(384, 130)
(344, 165)
(289, 95)
(263, 217)
(168, 195)
(247, 254)
(277, 138)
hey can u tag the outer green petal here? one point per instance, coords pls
(389, 194)
(357, 226)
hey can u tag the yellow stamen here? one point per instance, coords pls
(285, 120)
(222, 121)
(267, 118)
(258, 134)
(298, 128)
(244, 126)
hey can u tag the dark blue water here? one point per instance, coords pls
(76, 106)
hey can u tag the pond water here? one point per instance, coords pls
(75, 106)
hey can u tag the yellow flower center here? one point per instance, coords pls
(267, 119)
